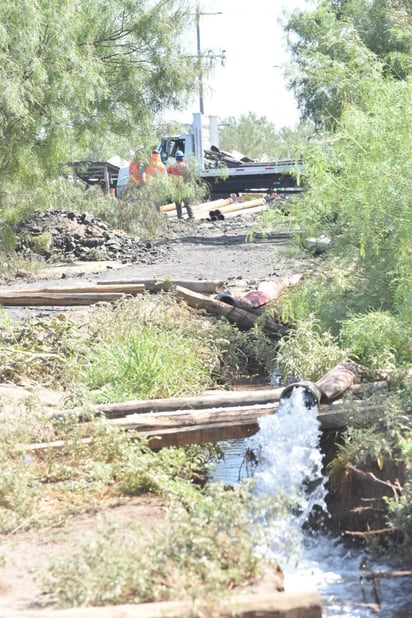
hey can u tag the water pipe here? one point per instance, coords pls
(311, 393)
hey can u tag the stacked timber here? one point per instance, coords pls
(214, 416)
(223, 206)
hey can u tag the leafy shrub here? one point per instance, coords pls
(377, 339)
(199, 552)
(308, 352)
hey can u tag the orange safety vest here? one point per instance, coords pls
(155, 166)
(134, 173)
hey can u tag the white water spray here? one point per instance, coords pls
(289, 475)
(290, 469)
(290, 472)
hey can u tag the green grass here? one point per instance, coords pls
(200, 551)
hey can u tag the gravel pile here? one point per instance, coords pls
(58, 235)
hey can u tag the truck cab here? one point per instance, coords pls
(170, 145)
(202, 136)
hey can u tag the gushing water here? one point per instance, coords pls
(290, 465)
(288, 470)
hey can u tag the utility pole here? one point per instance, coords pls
(199, 58)
(200, 55)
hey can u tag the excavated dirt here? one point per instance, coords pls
(191, 250)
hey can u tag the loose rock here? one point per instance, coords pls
(74, 236)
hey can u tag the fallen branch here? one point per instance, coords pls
(395, 488)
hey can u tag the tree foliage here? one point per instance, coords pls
(360, 194)
(258, 138)
(73, 69)
(341, 46)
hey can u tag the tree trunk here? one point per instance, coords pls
(244, 319)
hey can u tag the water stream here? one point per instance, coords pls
(285, 461)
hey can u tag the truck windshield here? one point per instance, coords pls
(168, 147)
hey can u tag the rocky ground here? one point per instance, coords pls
(82, 246)
(192, 250)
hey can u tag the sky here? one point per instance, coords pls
(251, 79)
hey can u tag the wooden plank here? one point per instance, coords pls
(216, 399)
(99, 288)
(57, 299)
(200, 434)
(242, 423)
(239, 206)
(255, 604)
(203, 286)
(160, 420)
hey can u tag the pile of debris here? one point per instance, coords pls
(58, 235)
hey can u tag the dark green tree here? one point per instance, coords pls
(359, 194)
(75, 69)
(341, 46)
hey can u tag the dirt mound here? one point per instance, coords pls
(58, 235)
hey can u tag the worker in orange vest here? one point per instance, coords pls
(137, 173)
(156, 166)
(180, 168)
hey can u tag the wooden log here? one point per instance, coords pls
(223, 424)
(204, 206)
(129, 287)
(254, 604)
(203, 286)
(239, 206)
(338, 416)
(168, 207)
(56, 299)
(158, 420)
(244, 319)
(214, 399)
(330, 416)
(337, 381)
(166, 437)
(199, 434)
(219, 399)
(250, 211)
(367, 389)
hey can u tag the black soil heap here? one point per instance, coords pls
(58, 235)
